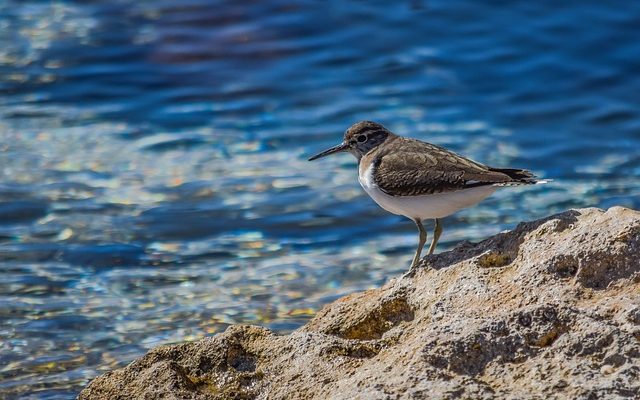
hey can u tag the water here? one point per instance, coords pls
(153, 182)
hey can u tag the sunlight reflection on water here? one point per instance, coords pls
(154, 184)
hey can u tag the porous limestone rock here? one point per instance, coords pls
(548, 310)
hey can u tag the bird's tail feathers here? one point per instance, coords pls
(518, 183)
(519, 177)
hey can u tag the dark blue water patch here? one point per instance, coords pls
(194, 190)
(6, 237)
(69, 180)
(176, 144)
(103, 255)
(46, 326)
(29, 252)
(212, 255)
(22, 211)
(90, 206)
(10, 191)
(623, 201)
(399, 250)
(136, 132)
(90, 255)
(632, 165)
(179, 222)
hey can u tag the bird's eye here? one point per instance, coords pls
(361, 138)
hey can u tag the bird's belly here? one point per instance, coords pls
(427, 206)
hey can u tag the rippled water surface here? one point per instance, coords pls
(153, 182)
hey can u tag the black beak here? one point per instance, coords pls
(335, 149)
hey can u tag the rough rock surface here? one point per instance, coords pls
(548, 310)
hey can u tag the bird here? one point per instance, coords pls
(420, 180)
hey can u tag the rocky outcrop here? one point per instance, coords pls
(548, 310)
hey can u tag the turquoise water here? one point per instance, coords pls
(154, 186)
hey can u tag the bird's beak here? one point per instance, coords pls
(335, 149)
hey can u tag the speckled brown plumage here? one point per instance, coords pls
(409, 167)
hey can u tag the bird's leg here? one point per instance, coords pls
(421, 242)
(437, 230)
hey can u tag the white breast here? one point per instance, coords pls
(425, 206)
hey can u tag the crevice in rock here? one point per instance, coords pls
(494, 259)
(564, 266)
(597, 270)
(359, 350)
(379, 320)
(241, 360)
(548, 338)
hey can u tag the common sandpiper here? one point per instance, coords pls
(420, 180)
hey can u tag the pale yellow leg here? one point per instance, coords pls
(421, 242)
(437, 231)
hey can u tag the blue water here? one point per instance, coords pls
(154, 186)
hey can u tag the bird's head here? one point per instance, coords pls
(359, 139)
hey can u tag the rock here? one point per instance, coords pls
(548, 310)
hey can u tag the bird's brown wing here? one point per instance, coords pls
(423, 168)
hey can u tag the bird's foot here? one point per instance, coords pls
(412, 270)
